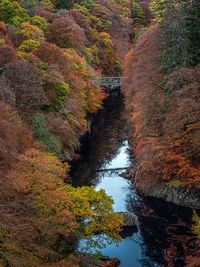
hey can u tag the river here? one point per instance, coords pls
(163, 234)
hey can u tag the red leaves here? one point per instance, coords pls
(7, 55)
(15, 137)
(66, 33)
(166, 123)
(34, 209)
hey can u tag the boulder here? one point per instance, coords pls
(129, 218)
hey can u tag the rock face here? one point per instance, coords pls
(183, 196)
(88, 260)
(129, 219)
(152, 187)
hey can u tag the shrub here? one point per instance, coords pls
(138, 14)
(29, 45)
(196, 227)
(28, 31)
(40, 22)
(42, 133)
(7, 55)
(140, 33)
(10, 9)
(62, 90)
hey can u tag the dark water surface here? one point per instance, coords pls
(162, 236)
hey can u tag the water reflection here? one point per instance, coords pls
(162, 236)
(166, 234)
(100, 145)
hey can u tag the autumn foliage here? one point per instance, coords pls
(42, 217)
(49, 53)
(165, 115)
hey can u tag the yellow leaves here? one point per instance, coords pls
(106, 38)
(29, 31)
(38, 171)
(29, 45)
(2, 42)
(96, 208)
(196, 226)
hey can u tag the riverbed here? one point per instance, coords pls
(163, 234)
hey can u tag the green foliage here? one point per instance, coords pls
(118, 66)
(43, 134)
(82, 9)
(196, 227)
(180, 32)
(138, 14)
(140, 33)
(2, 69)
(2, 42)
(29, 45)
(89, 4)
(75, 66)
(193, 32)
(17, 21)
(174, 39)
(159, 8)
(40, 22)
(42, 65)
(106, 38)
(10, 9)
(65, 4)
(174, 183)
(91, 54)
(62, 91)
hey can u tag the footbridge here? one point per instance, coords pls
(108, 82)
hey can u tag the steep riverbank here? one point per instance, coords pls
(163, 125)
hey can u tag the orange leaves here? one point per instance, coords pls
(35, 200)
(38, 211)
(166, 121)
(36, 168)
(15, 137)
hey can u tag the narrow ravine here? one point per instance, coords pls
(163, 236)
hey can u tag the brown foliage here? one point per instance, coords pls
(145, 7)
(25, 81)
(66, 33)
(7, 55)
(34, 211)
(184, 109)
(80, 20)
(48, 15)
(166, 119)
(15, 137)
(3, 31)
(52, 54)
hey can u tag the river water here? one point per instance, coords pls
(163, 234)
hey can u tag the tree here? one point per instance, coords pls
(93, 209)
(10, 9)
(28, 31)
(66, 33)
(26, 82)
(7, 55)
(179, 32)
(174, 39)
(40, 215)
(137, 14)
(29, 45)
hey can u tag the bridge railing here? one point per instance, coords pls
(111, 82)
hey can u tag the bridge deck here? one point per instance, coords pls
(111, 82)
